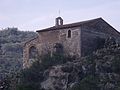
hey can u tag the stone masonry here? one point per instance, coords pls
(79, 39)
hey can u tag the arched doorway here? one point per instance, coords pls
(58, 48)
(33, 54)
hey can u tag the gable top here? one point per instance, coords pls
(88, 22)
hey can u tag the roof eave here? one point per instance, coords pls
(67, 25)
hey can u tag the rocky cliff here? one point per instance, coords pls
(98, 71)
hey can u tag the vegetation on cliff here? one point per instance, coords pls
(98, 71)
(11, 49)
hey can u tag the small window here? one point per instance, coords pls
(69, 33)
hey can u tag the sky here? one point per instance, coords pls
(32, 15)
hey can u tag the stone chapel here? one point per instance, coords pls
(79, 39)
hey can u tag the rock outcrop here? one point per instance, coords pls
(101, 70)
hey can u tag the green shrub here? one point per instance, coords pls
(88, 83)
(33, 76)
(116, 64)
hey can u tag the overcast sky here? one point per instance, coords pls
(32, 15)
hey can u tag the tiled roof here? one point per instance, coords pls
(69, 25)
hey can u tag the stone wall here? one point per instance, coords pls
(71, 45)
(93, 38)
(46, 41)
(90, 41)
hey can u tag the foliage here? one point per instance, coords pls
(5, 83)
(116, 64)
(102, 70)
(88, 83)
(11, 49)
(33, 76)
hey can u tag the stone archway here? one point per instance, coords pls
(33, 54)
(30, 52)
